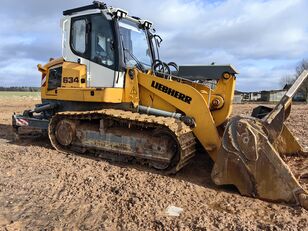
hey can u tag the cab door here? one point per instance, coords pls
(102, 52)
(75, 36)
(93, 43)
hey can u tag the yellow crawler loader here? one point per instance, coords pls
(110, 95)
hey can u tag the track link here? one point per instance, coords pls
(126, 120)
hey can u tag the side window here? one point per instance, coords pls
(78, 36)
(54, 80)
(102, 41)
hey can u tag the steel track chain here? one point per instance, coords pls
(182, 132)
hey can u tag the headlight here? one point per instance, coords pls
(119, 13)
(146, 24)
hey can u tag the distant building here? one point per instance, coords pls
(251, 96)
(264, 96)
(238, 98)
(255, 96)
(272, 96)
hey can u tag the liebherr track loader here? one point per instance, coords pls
(112, 96)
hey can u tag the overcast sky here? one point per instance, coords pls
(263, 40)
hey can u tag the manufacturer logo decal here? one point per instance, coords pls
(171, 92)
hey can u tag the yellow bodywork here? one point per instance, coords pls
(209, 108)
(199, 108)
(246, 150)
(74, 75)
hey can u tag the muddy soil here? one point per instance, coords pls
(41, 188)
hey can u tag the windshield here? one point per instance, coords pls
(136, 46)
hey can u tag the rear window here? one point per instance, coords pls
(55, 76)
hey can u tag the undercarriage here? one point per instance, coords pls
(163, 143)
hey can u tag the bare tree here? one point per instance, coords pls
(287, 80)
(303, 65)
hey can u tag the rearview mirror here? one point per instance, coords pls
(158, 39)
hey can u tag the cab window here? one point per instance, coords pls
(79, 36)
(92, 37)
(102, 41)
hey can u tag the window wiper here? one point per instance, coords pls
(139, 64)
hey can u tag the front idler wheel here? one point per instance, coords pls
(168, 146)
(65, 132)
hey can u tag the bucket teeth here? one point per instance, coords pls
(249, 160)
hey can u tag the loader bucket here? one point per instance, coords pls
(251, 153)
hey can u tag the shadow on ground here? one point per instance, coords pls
(34, 139)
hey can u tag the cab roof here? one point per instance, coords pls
(94, 6)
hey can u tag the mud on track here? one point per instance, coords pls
(41, 188)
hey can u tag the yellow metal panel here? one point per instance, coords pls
(191, 102)
(219, 100)
(107, 95)
(215, 101)
(225, 88)
(149, 99)
(74, 75)
(54, 62)
(76, 90)
(131, 90)
(70, 94)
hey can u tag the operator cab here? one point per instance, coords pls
(107, 41)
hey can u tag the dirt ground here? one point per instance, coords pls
(42, 189)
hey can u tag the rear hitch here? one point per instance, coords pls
(36, 121)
